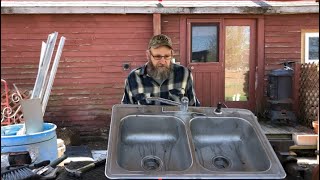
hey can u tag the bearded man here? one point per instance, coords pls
(159, 77)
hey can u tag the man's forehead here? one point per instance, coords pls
(162, 49)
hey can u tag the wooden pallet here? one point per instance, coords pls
(282, 131)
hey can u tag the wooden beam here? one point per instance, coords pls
(183, 40)
(295, 88)
(260, 104)
(304, 147)
(150, 7)
(156, 24)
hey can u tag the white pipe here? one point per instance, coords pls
(41, 77)
(47, 66)
(52, 74)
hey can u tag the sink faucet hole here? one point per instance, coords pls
(151, 163)
(221, 162)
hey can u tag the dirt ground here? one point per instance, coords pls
(71, 138)
(96, 145)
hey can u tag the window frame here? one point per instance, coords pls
(306, 36)
(219, 24)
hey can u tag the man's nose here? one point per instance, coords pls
(162, 60)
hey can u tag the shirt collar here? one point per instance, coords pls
(143, 70)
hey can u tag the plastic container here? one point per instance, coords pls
(41, 145)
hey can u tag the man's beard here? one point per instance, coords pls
(160, 72)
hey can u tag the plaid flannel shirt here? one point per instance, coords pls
(139, 85)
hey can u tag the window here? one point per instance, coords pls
(237, 59)
(311, 50)
(204, 42)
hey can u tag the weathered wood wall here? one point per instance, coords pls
(90, 76)
(170, 25)
(283, 38)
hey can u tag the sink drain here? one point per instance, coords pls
(221, 162)
(151, 163)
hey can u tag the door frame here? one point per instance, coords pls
(252, 64)
(258, 103)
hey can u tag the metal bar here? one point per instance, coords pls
(43, 49)
(162, 100)
(52, 74)
(41, 77)
(18, 92)
(46, 70)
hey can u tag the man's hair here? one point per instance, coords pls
(160, 40)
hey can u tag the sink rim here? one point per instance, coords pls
(275, 171)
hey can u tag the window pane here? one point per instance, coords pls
(237, 53)
(313, 48)
(204, 43)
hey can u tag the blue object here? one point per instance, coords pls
(41, 146)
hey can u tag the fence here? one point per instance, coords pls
(308, 93)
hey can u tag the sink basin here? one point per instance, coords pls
(228, 144)
(151, 142)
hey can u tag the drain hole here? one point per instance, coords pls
(220, 162)
(151, 163)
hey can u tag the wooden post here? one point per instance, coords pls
(156, 24)
(260, 102)
(296, 87)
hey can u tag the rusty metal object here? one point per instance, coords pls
(5, 120)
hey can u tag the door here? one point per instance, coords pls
(221, 56)
(205, 59)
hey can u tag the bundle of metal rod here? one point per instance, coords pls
(34, 108)
(43, 85)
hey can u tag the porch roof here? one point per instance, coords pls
(166, 7)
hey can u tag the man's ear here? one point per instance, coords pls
(148, 54)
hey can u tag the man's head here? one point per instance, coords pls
(159, 54)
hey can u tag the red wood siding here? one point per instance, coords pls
(283, 43)
(90, 77)
(170, 25)
(283, 38)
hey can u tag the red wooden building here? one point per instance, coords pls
(230, 46)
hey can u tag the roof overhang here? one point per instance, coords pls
(166, 7)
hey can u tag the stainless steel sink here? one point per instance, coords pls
(150, 142)
(153, 143)
(228, 144)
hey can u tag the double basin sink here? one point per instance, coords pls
(150, 142)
